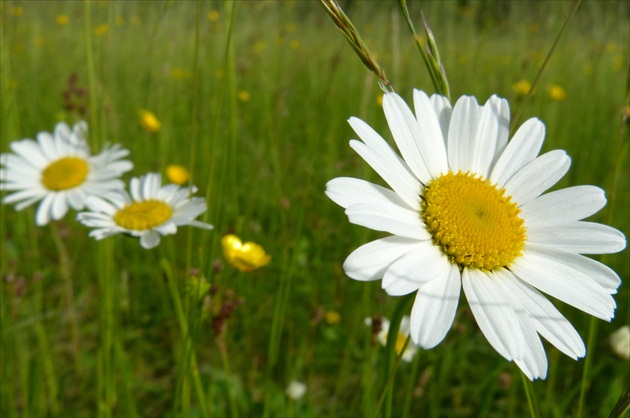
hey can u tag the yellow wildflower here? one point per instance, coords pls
(101, 29)
(62, 20)
(244, 96)
(521, 87)
(177, 174)
(556, 92)
(246, 256)
(213, 15)
(332, 317)
(149, 121)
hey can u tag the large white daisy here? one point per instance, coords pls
(152, 210)
(59, 170)
(466, 208)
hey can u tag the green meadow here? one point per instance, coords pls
(253, 98)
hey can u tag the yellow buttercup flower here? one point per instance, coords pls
(332, 317)
(246, 256)
(244, 96)
(521, 87)
(62, 20)
(556, 92)
(101, 29)
(149, 121)
(213, 15)
(177, 174)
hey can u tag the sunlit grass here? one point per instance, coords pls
(99, 328)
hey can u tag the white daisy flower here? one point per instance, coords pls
(59, 170)
(401, 338)
(466, 208)
(151, 210)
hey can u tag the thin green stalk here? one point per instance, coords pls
(518, 113)
(392, 358)
(106, 394)
(45, 354)
(65, 271)
(429, 52)
(89, 56)
(529, 394)
(184, 330)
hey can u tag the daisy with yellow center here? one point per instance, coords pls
(152, 210)
(466, 209)
(59, 171)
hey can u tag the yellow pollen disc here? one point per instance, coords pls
(473, 221)
(65, 173)
(144, 215)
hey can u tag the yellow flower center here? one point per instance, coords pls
(144, 215)
(473, 221)
(65, 173)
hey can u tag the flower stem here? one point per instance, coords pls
(191, 367)
(529, 393)
(392, 358)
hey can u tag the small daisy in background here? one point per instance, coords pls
(149, 121)
(246, 256)
(466, 209)
(380, 328)
(152, 210)
(59, 171)
(620, 342)
(296, 390)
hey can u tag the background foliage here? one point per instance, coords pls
(257, 111)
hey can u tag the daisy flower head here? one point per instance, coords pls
(466, 209)
(152, 210)
(59, 171)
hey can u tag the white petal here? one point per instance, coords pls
(432, 144)
(564, 205)
(434, 309)
(42, 216)
(388, 217)
(541, 269)
(168, 228)
(393, 170)
(59, 206)
(521, 150)
(30, 152)
(406, 133)
(486, 141)
(151, 185)
(346, 191)
(537, 176)
(549, 322)
(202, 225)
(494, 313)
(135, 188)
(579, 236)
(371, 260)
(461, 133)
(25, 194)
(149, 239)
(443, 111)
(420, 265)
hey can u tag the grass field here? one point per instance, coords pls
(253, 98)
